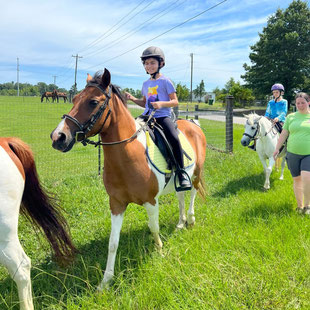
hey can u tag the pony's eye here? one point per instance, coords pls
(253, 128)
(93, 103)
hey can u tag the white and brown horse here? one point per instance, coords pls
(20, 189)
(128, 175)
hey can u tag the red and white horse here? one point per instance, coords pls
(128, 175)
(20, 186)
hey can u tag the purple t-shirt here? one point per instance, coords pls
(157, 90)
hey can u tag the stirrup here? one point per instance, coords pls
(184, 187)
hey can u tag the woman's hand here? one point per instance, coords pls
(275, 154)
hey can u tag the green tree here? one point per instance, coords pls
(282, 53)
(182, 92)
(200, 91)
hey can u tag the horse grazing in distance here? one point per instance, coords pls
(261, 129)
(128, 174)
(62, 95)
(20, 190)
(49, 94)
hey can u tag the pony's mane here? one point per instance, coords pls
(252, 118)
(115, 88)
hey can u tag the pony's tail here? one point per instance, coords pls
(41, 208)
(202, 191)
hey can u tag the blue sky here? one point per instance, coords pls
(44, 35)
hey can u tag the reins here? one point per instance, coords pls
(256, 134)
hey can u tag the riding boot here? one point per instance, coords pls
(185, 183)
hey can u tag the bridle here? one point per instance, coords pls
(88, 125)
(80, 135)
(257, 132)
(255, 135)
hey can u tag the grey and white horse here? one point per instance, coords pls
(261, 129)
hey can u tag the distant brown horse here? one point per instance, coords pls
(48, 94)
(62, 95)
(128, 174)
(20, 189)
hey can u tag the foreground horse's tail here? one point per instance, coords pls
(41, 208)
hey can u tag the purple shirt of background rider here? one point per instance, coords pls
(157, 90)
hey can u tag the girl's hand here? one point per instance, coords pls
(129, 96)
(156, 104)
(275, 120)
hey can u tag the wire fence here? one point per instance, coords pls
(33, 121)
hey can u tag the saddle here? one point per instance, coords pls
(159, 151)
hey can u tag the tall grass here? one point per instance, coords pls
(248, 249)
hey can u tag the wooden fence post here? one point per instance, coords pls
(229, 123)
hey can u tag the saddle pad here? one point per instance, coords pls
(157, 159)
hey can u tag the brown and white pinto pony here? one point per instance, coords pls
(20, 190)
(128, 175)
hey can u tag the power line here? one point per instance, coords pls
(105, 35)
(178, 25)
(135, 30)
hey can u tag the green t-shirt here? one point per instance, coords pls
(298, 126)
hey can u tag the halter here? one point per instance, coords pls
(88, 125)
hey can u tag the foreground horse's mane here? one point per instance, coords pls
(115, 89)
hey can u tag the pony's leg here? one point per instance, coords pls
(153, 214)
(116, 225)
(282, 167)
(268, 171)
(13, 257)
(191, 212)
(182, 217)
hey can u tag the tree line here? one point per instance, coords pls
(26, 89)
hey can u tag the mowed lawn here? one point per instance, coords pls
(248, 249)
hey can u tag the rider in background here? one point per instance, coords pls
(276, 109)
(159, 93)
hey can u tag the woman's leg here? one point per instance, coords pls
(305, 176)
(298, 191)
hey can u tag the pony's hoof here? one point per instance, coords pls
(181, 225)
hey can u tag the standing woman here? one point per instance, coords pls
(297, 130)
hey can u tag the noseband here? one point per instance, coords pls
(87, 126)
(255, 133)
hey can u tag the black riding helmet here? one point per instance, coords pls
(154, 52)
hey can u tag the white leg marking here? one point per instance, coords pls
(116, 225)
(182, 217)
(191, 211)
(153, 214)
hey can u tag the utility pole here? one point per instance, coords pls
(54, 76)
(192, 56)
(76, 62)
(17, 76)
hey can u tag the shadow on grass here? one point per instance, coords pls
(251, 182)
(266, 211)
(53, 285)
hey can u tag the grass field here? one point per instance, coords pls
(248, 249)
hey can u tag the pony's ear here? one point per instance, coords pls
(246, 116)
(89, 77)
(106, 78)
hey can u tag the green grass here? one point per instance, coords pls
(248, 249)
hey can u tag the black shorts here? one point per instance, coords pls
(297, 163)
